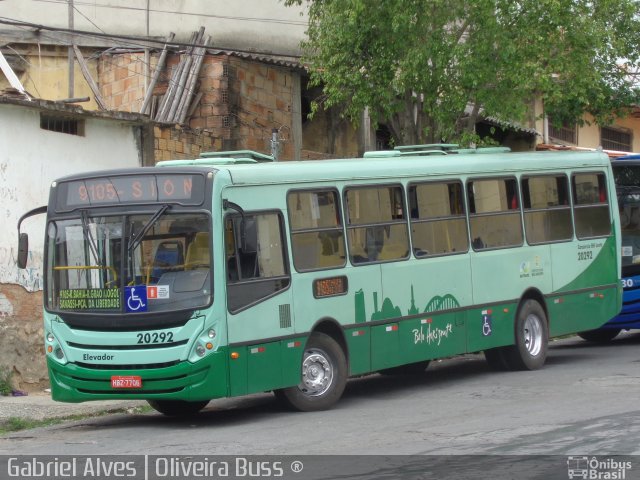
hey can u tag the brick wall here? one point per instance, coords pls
(121, 79)
(22, 337)
(175, 143)
(237, 104)
(264, 102)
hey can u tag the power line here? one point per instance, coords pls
(173, 12)
(144, 41)
(112, 62)
(87, 19)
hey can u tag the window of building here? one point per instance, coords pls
(547, 212)
(317, 236)
(438, 220)
(615, 139)
(494, 213)
(591, 206)
(563, 132)
(61, 124)
(376, 224)
(255, 258)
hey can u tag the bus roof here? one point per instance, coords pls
(220, 158)
(408, 166)
(379, 167)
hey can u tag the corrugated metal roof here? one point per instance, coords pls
(283, 61)
(74, 110)
(510, 125)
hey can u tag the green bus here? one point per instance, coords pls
(232, 274)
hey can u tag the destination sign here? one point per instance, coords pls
(89, 299)
(124, 189)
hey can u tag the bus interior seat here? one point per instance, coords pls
(198, 255)
(168, 257)
(393, 251)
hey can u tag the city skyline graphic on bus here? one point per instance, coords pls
(389, 310)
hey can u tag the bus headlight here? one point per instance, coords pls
(212, 333)
(54, 349)
(200, 351)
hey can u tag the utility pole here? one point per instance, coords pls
(275, 144)
(147, 56)
(70, 52)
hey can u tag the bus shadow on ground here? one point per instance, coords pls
(624, 339)
(374, 386)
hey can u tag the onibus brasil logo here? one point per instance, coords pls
(596, 468)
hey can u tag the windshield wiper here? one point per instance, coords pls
(93, 245)
(136, 239)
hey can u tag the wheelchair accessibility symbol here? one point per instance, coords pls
(136, 298)
(486, 324)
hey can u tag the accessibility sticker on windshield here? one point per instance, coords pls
(136, 298)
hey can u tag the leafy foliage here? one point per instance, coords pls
(427, 68)
(6, 380)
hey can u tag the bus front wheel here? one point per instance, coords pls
(177, 408)
(532, 336)
(324, 376)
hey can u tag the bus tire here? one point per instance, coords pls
(177, 408)
(604, 335)
(532, 337)
(409, 369)
(324, 376)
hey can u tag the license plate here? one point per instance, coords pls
(120, 381)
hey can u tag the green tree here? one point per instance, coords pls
(428, 68)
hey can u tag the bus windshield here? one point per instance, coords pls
(150, 262)
(629, 205)
(627, 178)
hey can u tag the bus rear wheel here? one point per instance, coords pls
(324, 376)
(532, 337)
(177, 408)
(604, 335)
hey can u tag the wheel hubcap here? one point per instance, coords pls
(317, 373)
(533, 334)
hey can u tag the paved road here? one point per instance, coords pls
(585, 401)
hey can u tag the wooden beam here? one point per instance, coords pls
(89, 78)
(14, 81)
(192, 79)
(156, 75)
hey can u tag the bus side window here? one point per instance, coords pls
(547, 212)
(438, 219)
(494, 213)
(256, 267)
(591, 205)
(317, 237)
(377, 229)
(241, 254)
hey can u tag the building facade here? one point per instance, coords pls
(42, 141)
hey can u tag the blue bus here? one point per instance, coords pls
(626, 171)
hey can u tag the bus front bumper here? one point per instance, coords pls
(204, 380)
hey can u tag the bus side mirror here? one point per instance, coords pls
(23, 250)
